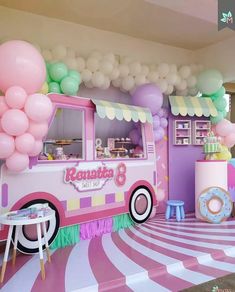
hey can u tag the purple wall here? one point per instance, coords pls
(181, 167)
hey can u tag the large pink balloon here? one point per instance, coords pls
(21, 64)
(15, 122)
(38, 145)
(25, 143)
(16, 97)
(148, 95)
(3, 106)
(38, 130)
(7, 145)
(224, 128)
(38, 107)
(229, 140)
(17, 162)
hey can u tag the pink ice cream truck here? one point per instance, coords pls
(89, 168)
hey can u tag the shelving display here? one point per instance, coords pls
(201, 129)
(182, 132)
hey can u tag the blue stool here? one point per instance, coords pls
(173, 205)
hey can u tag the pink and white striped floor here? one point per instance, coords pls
(157, 256)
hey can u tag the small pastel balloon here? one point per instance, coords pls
(218, 118)
(220, 104)
(15, 122)
(158, 134)
(224, 128)
(44, 89)
(134, 136)
(163, 122)
(220, 93)
(59, 52)
(7, 145)
(229, 140)
(3, 105)
(38, 130)
(156, 122)
(25, 143)
(38, 145)
(54, 87)
(58, 71)
(74, 74)
(38, 107)
(17, 162)
(15, 97)
(209, 81)
(69, 86)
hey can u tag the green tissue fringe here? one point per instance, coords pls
(122, 221)
(68, 235)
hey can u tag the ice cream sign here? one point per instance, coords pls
(93, 176)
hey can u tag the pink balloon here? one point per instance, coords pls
(7, 145)
(224, 128)
(3, 106)
(25, 143)
(16, 97)
(163, 122)
(38, 130)
(22, 65)
(15, 122)
(17, 162)
(38, 145)
(156, 122)
(38, 107)
(229, 140)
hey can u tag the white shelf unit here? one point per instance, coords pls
(182, 132)
(200, 131)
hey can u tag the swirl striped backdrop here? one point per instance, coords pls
(156, 256)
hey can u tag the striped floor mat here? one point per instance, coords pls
(157, 256)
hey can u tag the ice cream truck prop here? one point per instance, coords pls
(86, 171)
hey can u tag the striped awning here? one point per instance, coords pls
(120, 111)
(192, 106)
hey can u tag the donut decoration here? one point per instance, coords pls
(215, 204)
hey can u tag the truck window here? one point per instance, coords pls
(65, 136)
(116, 139)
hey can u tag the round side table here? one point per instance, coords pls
(48, 215)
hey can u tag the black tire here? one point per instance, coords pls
(144, 194)
(26, 244)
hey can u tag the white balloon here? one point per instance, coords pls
(185, 72)
(71, 63)
(126, 60)
(153, 76)
(114, 74)
(171, 78)
(191, 81)
(117, 82)
(182, 85)
(140, 79)
(71, 53)
(169, 90)
(135, 68)
(124, 70)
(89, 84)
(182, 92)
(81, 64)
(153, 67)
(86, 75)
(145, 70)
(47, 55)
(127, 83)
(163, 69)
(98, 79)
(162, 83)
(106, 67)
(106, 83)
(110, 57)
(96, 54)
(178, 80)
(59, 52)
(173, 68)
(193, 91)
(92, 64)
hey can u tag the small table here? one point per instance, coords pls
(49, 214)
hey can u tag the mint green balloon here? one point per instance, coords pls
(225, 113)
(76, 75)
(48, 78)
(220, 93)
(54, 87)
(69, 86)
(58, 71)
(209, 81)
(218, 118)
(220, 103)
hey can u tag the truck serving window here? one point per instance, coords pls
(65, 137)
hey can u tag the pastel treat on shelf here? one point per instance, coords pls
(211, 143)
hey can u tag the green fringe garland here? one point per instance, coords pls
(68, 235)
(122, 221)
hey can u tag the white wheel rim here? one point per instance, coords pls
(147, 195)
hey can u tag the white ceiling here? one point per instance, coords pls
(190, 24)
